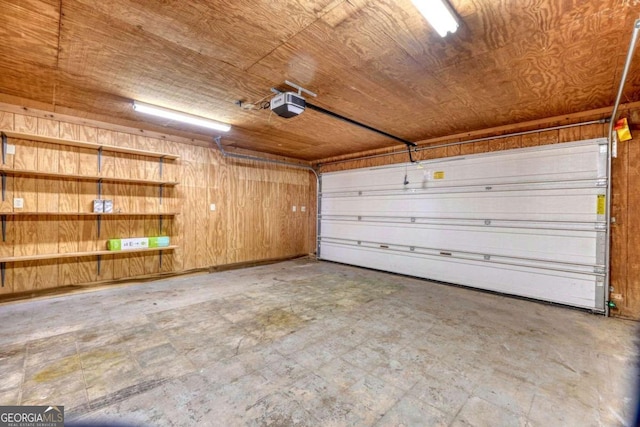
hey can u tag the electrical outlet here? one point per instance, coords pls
(303, 208)
(18, 203)
(293, 208)
(212, 207)
(11, 149)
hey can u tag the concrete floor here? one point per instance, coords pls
(312, 343)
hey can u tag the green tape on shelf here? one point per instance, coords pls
(114, 244)
(159, 242)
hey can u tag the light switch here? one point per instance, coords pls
(293, 208)
(212, 207)
(18, 203)
(303, 208)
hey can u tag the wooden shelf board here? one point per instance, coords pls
(16, 213)
(22, 172)
(91, 145)
(81, 254)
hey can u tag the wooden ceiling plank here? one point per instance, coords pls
(373, 97)
(37, 86)
(164, 71)
(376, 61)
(238, 33)
(30, 31)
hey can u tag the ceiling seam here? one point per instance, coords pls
(57, 70)
(59, 34)
(292, 37)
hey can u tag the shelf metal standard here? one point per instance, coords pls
(4, 147)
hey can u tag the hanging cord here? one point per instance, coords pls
(406, 181)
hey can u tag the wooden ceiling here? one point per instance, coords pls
(375, 61)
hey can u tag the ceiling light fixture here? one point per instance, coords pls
(439, 14)
(166, 113)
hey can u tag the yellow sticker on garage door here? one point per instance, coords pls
(438, 175)
(601, 209)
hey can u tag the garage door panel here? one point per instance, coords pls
(547, 285)
(579, 205)
(528, 222)
(570, 246)
(539, 164)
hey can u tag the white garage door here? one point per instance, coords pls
(527, 222)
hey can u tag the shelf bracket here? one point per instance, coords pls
(99, 219)
(160, 229)
(3, 272)
(4, 185)
(161, 191)
(4, 148)
(99, 263)
(410, 156)
(161, 163)
(4, 228)
(100, 189)
(100, 160)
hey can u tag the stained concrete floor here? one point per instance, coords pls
(313, 343)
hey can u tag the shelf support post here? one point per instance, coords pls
(3, 272)
(99, 263)
(4, 228)
(99, 218)
(160, 253)
(161, 190)
(160, 229)
(4, 185)
(100, 160)
(161, 163)
(4, 148)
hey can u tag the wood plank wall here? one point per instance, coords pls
(253, 219)
(625, 242)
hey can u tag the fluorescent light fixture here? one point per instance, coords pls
(166, 113)
(439, 14)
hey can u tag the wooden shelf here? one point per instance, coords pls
(74, 217)
(18, 213)
(23, 172)
(90, 145)
(81, 254)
